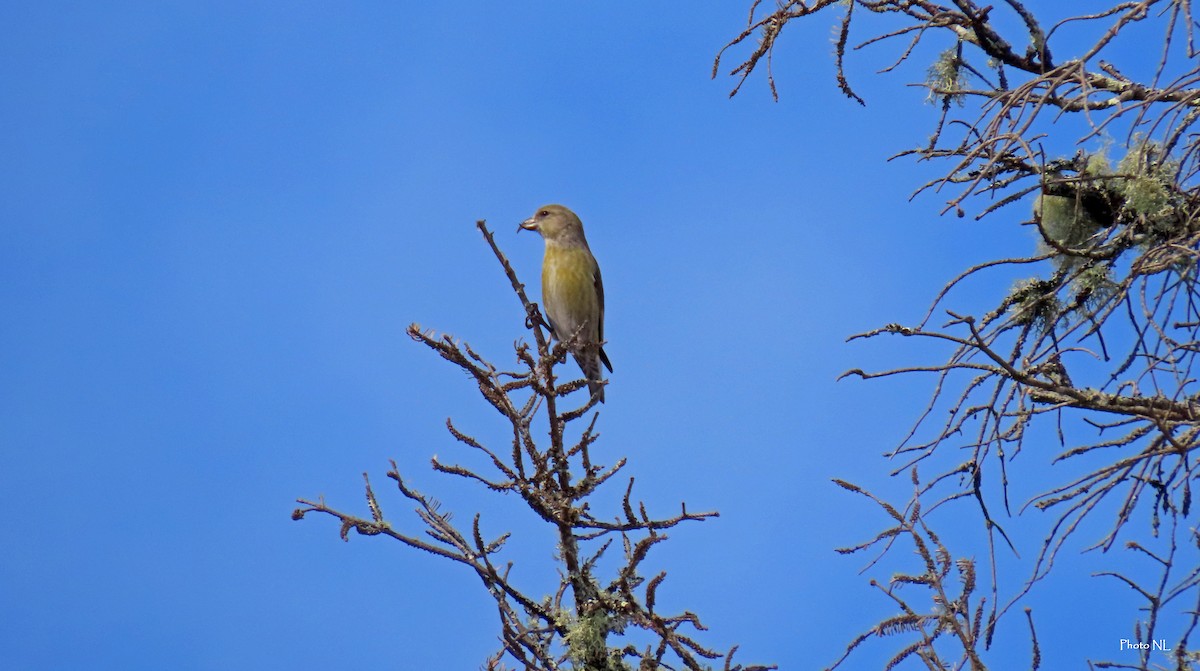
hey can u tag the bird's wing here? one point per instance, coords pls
(599, 284)
(600, 302)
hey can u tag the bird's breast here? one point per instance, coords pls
(569, 291)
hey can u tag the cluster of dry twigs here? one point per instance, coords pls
(575, 627)
(1098, 346)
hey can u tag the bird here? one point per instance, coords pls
(572, 292)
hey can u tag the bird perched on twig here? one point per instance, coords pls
(572, 293)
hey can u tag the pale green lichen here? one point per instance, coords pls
(1065, 220)
(1097, 163)
(947, 75)
(1033, 304)
(1148, 186)
(587, 638)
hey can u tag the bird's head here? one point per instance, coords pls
(556, 224)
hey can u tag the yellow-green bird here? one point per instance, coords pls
(572, 293)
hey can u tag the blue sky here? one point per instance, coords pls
(219, 218)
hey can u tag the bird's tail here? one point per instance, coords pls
(589, 363)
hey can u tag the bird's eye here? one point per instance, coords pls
(544, 213)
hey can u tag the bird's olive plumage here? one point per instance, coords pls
(572, 292)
